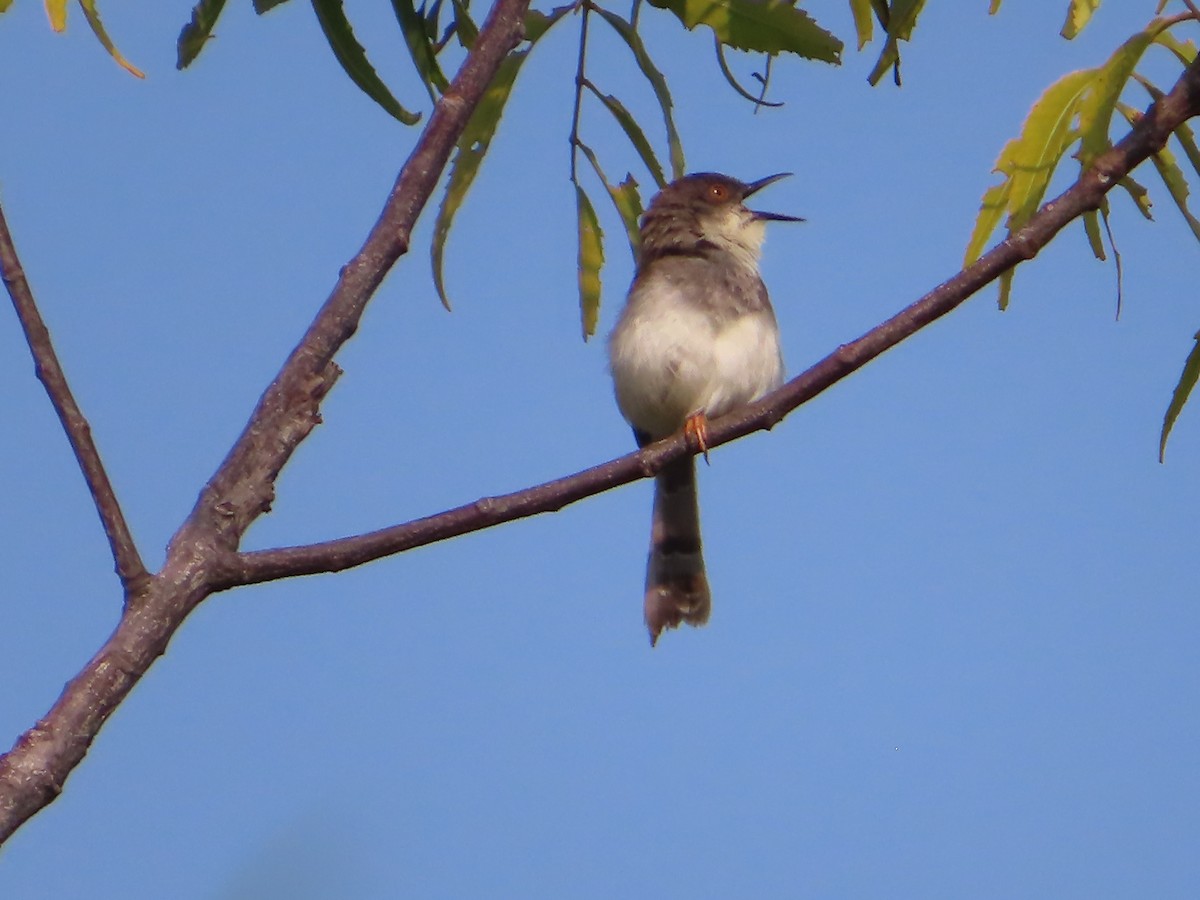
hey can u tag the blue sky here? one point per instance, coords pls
(952, 649)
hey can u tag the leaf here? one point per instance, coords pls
(900, 24)
(1183, 390)
(420, 48)
(1139, 195)
(56, 10)
(624, 197)
(353, 59)
(1079, 13)
(93, 19)
(1110, 79)
(1027, 162)
(1168, 170)
(657, 83)
(1185, 51)
(994, 8)
(632, 131)
(591, 258)
(464, 25)
(1006, 279)
(1091, 227)
(4, 5)
(472, 146)
(767, 26)
(262, 6)
(864, 22)
(195, 34)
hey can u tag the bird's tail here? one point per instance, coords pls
(676, 586)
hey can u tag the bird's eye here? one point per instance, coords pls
(717, 193)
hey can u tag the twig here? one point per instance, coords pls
(128, 563)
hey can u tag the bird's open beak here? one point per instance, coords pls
(755, 186)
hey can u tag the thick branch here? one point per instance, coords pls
(129, 565)
(1146, 138)
(33, 772)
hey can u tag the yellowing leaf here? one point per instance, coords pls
(864, 21)
(767, 26)
(1096, 110)
(1079, 13)
(56, 10)
(591, 258)
(93, 18)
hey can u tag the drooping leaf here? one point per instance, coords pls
(1097, 107)
(1139, 195)
(723, 65)
(471, 148)
(1091, 227)
(1183, 390)
(1185, 51)
(1168, 169)
(1006, 280)
(93, 19)
(195, 34)
(657, 83)
(420, 47)
(262, 6)
(1183, 133)
(901, 21)
(4, 5)
(1079, 13)
(56, 11)
(591, 258)
(864, 21)
(625, 198)
(767, 26)
(632, 131)
(991, 211)
(994, 8)
(464, 25)
(353, 59)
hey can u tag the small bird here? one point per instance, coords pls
(697, 338)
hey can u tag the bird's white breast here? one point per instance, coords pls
(670, 360)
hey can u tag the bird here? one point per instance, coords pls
(697, 338)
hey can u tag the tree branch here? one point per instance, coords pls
(128, 563)
(33, 772)
(1145, 139)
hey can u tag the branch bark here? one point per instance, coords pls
(33, 772)
(50, 373)
(1146, 138)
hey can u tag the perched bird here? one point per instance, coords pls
(697, 338)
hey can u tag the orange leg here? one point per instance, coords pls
(696, 428)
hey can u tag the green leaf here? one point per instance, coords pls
(195, 34)
(93, 19)
(632, 131)
(591, 258)
(1079, 13)
(625, 199)
(1006, 280)
(471, 148)
(420, 48)
(464, 25)
(262, 6)
(1109, 80)
(1091, 227)
(353, 59)
(1139, 195)
(4, 5)
(1168, 170)
(1028, 161)
(900, 24)
(1187, 381)
(767, 26)
(864, 22)
(657, 83)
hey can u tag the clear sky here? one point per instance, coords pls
(953, 648)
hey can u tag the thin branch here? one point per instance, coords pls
(33, 772)
(128, 563)
(1146, 138)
